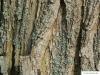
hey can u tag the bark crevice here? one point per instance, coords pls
(15, 70)
(77, 67)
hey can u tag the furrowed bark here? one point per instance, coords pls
(49, 37)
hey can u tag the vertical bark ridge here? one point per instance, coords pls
(88, 29)
(49, 37)
(73, 20)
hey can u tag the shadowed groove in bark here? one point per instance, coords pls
(30, 41)
(0, 71)
(64, 31)
(2, 53)
(96, 46)
(38, 72)
(95, 42)
(77, 67)
(37, 7)
(2, 5)
(1, 12)
(14, 69)
(10, 1)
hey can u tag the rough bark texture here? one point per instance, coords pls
(49, 37)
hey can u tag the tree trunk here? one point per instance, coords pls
(49, 37)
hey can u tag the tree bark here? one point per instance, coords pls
(49, 37)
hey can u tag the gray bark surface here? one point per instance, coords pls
(49, 37)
